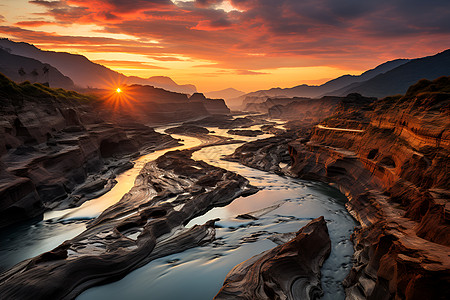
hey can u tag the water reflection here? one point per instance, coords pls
(30, 239)
(199, 273)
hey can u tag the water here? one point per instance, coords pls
(33, 238)
(199, 273)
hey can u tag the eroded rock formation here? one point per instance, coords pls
(391, 159)
(288, 271)
(147, 223)
(56, 151)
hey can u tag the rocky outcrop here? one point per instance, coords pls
(271, 154)
(187, 129)
(228, 122)
(288, 271)
(265, 106)
(312, 111)
(147, 223)
(244, 132)
(213, 106)
(57, 152)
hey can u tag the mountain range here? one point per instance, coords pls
(389, 78)
(22, 61)
(226, 94)
(85, 73)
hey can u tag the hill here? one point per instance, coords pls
(86, 73)
(226, 94)
(20, 68)
(397, 80)
(315, 91)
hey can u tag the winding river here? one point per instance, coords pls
(283, 205)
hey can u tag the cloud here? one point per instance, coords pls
(261, 34)
(34, 23)
(128, 63)
(248, 72)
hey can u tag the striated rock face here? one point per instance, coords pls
(312, 111)
(147, 223)
(57, 152)
(288, 271)
(391, 159)
(265, 106)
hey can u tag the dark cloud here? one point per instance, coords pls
(263, 33)
(49, 4)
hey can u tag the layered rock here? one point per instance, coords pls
(390, 158)
(244, 132)
(265, 106)
(56, 151)
(213, 106)
(288, 271)
(312, 111)
(147, 223)
(228, 122)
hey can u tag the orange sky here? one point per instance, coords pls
(245, 44)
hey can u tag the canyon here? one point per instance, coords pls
(389, 157)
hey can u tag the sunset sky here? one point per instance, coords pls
(245, 44)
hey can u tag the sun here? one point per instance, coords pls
(118, 90)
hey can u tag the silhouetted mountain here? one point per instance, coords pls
(164, 82)
(225, 94)
(86, 73)
(397, 80)
(20, 68)
(314, 91)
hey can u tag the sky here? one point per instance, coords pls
(244, 44)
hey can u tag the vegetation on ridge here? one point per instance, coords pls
(35, 91)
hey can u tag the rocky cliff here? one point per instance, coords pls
(213, 106)
(56, 151)
(391, 158)
(150, 105)
(288, 271)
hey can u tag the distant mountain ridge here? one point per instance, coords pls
(86, 73)
(399, 79)
(20, 68)
(314, 91)
(226, 94)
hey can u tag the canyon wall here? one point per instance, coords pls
(56, 151)
(390, 157)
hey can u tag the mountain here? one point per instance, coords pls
(224, 94)
(164, 82)
(397, 80)
(315, 91)
(20, 68)
(86, 73)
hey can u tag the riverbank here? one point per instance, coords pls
(390, 159)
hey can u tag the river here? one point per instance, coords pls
(284, 205)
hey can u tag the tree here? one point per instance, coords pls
(46, 71)
(35, 74)
(22, 72)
